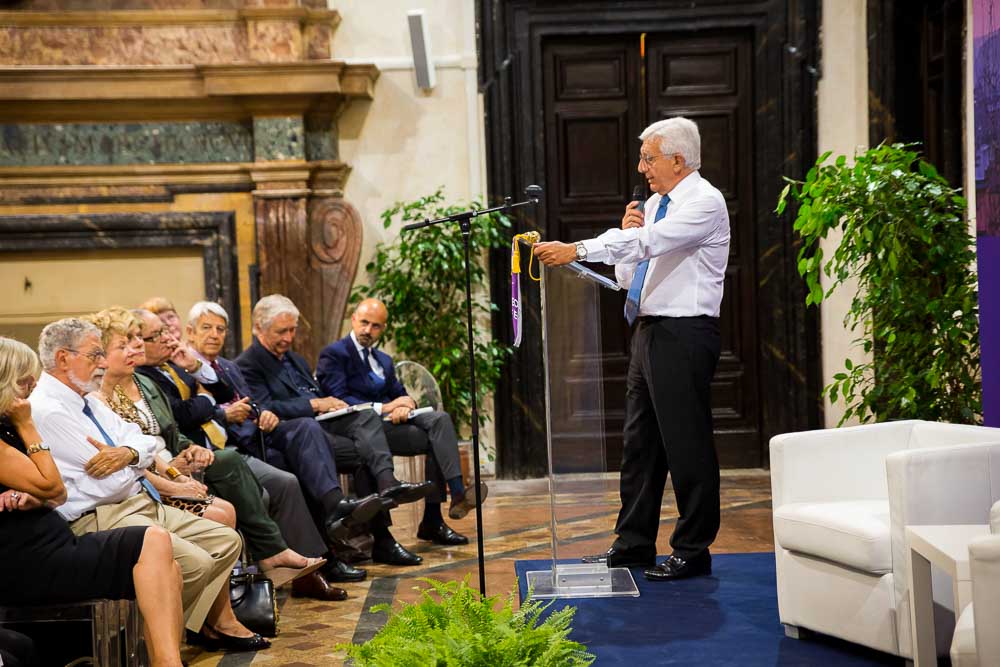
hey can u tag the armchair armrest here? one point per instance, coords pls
(984, 563)
(944, 485)
(834, 464)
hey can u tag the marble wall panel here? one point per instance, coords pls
(126, 45)
(317, 38)
(274, 41)
(321, 137)
(279, 138)
(117, 5)
(39, 144)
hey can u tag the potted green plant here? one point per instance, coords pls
(421, 278)
(906, 241)
(453, 625)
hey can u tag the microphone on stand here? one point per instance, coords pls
(534, 193)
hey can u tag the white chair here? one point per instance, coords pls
(841, 500)
(976, 642)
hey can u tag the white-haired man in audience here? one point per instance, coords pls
(282, 382)
(102, 459)
(298, 447)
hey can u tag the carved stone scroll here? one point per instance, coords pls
(309, 251)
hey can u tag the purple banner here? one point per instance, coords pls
(986, 76)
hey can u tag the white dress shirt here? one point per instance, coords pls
(688, 251)
(58, 414)
(373, 363)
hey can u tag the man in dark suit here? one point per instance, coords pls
(169, 366)
(354, 370)
(282, 382)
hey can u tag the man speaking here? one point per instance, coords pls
(671, 256)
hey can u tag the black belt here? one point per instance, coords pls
(649, 319)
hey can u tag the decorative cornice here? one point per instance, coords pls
(38, 94)
(35, 19)
(324, 174)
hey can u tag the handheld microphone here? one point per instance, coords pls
(639, 195)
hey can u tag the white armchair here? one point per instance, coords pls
(841, 499)
(977, 642)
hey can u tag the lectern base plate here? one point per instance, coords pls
(582, 581)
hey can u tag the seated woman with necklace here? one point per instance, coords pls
(41, 561)
(138, 400)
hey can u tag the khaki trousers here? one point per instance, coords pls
(205, 550)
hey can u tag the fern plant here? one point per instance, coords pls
(454, 626)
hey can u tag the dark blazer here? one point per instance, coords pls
(269, 387)
(176, 441)
(195, 411)
(244, 434)
(341, 372)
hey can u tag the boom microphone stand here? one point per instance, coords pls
(533, 192)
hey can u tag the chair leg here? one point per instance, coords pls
(795, 632)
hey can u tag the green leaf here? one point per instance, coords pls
(903, 240)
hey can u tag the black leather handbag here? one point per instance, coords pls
(252, 597)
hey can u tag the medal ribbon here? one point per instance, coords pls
(515, 279)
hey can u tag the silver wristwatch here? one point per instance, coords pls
(581, 251)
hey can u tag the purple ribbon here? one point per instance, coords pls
(515, 306)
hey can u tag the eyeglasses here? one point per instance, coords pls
(155, 338)
(650, 159)
(94, 355)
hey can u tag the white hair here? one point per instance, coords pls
(270, 307)
(677, 135)
(203, 308)
(64, 334)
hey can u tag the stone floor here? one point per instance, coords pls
(516, 521)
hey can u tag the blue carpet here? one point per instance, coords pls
(729, 618)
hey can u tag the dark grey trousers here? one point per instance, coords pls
(287, 506)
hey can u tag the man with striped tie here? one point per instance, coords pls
(672, 257)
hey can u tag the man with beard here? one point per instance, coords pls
(353, 369)
(102, 460)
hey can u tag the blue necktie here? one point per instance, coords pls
(639, 277)
(372, 375)
(146, 484)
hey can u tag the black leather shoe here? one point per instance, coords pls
(395, 554)
(441, 534)
(678, 568)
(467, 502)
(227, 643)
(408, 492)
(618, 557)
(339, 571)
(316, 587)
(351, 512)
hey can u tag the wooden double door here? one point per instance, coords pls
(599, 93)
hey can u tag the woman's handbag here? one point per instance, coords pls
(252, 598)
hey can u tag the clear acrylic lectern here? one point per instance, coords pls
(583, 501)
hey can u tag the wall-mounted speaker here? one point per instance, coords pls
(421, 44)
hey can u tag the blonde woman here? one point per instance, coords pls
(138, 400)
(41, 561)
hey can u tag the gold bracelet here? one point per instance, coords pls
(173, 473)
(36, 447)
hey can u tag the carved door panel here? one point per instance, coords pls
(593, 110)
(598, 97)
(707, 78)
